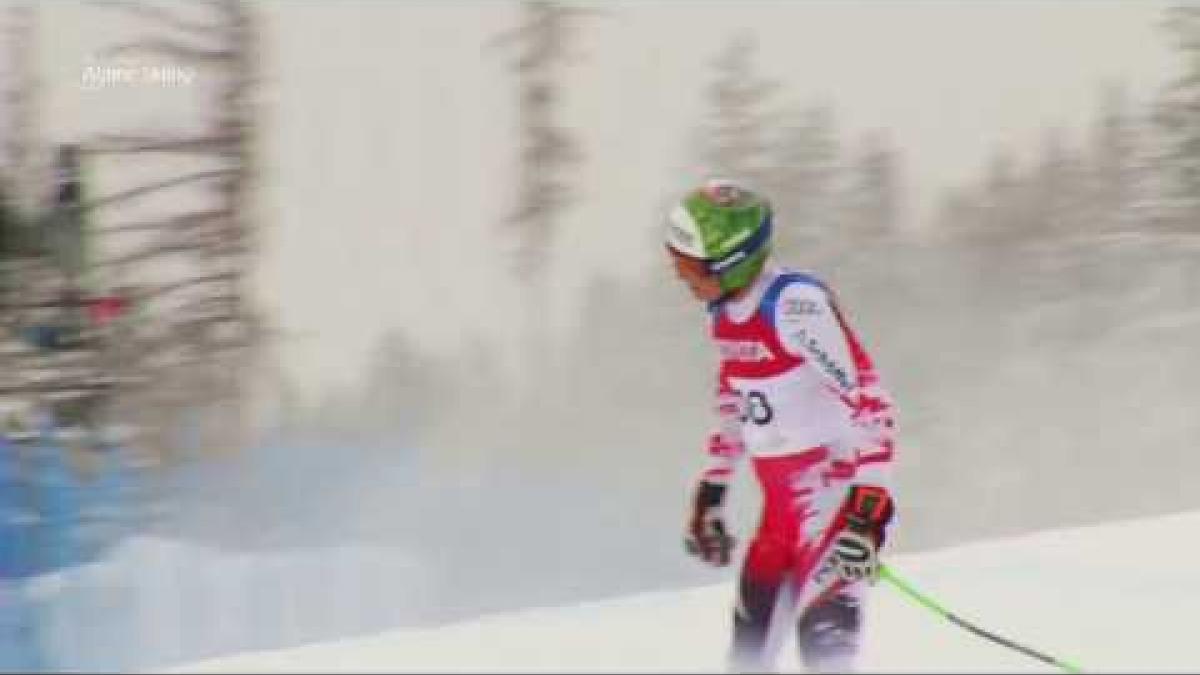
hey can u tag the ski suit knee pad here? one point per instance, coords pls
(827, 634)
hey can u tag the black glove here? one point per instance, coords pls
(867, 511)
(706, 537)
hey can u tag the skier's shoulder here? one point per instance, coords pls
(785, 276)
(793, 294)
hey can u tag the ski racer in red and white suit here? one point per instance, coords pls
(800, 396)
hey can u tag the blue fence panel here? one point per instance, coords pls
(53, 519)
(19, 647)
(57, 506)
(16, 515)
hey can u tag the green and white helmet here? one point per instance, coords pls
(725, 225)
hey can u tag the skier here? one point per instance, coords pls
(799, 394)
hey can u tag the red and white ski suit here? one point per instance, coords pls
(799, 394)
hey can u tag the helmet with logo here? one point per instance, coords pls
(725, 225)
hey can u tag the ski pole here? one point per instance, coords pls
(888, 575)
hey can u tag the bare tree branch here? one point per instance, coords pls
(201, 302)
(530, 28)
(174, 50)
(154, 187)
(54, 387)
(164, 289)
(152, 251)
(221, 145)
(46, 304)
(183, 221)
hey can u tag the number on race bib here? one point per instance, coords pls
(756, 408)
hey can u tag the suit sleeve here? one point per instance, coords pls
(811, 326)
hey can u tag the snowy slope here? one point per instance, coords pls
(1109, 597)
